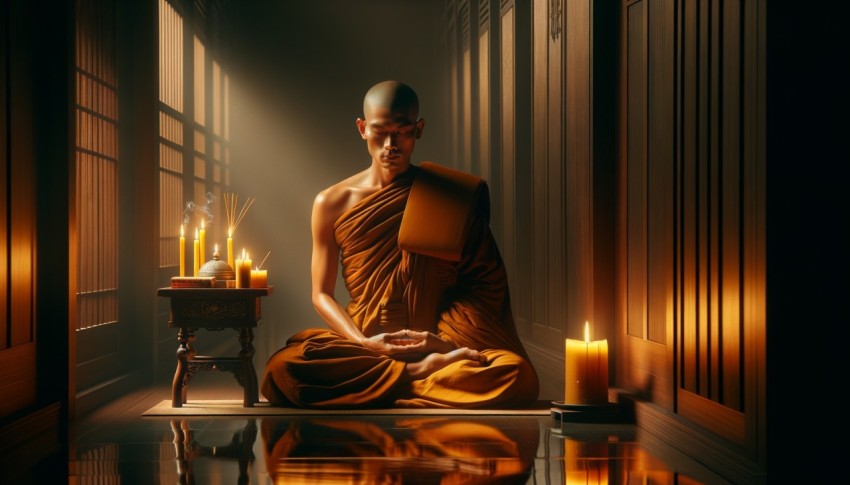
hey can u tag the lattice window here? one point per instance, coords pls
(96, 153)
(191, 188)
(171, 127)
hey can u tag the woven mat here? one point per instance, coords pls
(235, 408)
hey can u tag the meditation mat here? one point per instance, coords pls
(235, 408)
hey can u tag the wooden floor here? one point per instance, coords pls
(116, 444)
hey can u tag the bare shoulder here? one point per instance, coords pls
(333, 201)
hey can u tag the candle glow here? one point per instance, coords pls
(259, 278)
(243, 271)
(586, 370)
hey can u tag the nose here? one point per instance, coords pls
(389, 143)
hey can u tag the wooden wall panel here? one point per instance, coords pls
(687, 186)
(484, 112)
(467, 141)
(4, 180)
(540, 160)
(686, 200)
(712, 364)
(548, 278)
(553, 229)
(729, 355)
(18, 353)
(636, 169)
(577, 218)
(507, 204)
(660, 144)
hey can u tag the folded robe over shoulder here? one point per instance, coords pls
(442, 206)
(417, 254)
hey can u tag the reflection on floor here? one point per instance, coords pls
(118, 445)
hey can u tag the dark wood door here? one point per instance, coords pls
(692, 199)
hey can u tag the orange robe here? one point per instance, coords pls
(465, 302)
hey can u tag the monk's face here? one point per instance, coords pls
(390, 135)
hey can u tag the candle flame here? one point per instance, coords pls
(215, 248)
(586, 332)
(230, 233)
(196, 233)
(181, 230)
(202, 224)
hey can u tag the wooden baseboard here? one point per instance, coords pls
(29, 441)
(710, 456)
(90, 399)
(550, 370)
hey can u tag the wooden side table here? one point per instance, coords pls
(214, 309)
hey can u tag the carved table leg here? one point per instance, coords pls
(249, 374)
(190, 372)
(178, 389)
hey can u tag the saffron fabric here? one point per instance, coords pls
(465, 302)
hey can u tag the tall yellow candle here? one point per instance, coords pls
(586, 370)
(197, 253)
(243, 271)
(203, 242)
(230, 259)
(182, 252)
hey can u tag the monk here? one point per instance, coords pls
(429, 321)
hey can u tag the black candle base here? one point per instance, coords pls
(587, 413)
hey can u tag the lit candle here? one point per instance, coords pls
(586, 370)
(182, 252)
(230, 260)
(203, 242)
(197, 253)
(243, 271)
(259, 278)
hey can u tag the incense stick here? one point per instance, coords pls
(264, 260)
(231, 203)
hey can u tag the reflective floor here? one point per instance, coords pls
(117, 445)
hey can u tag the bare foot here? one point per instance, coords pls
(434, 362)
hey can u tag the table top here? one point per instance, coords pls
(214, 292)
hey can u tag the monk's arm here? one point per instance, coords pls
(323, 267)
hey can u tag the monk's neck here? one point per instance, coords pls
(382, 177)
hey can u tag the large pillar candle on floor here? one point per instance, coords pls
(586, 370)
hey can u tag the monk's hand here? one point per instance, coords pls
(395, 343)
(424, 342)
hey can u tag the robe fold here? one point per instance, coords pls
(465, 302)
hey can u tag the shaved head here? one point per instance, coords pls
(393, 96)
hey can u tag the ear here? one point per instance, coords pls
(361, 127)
(420, 127)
